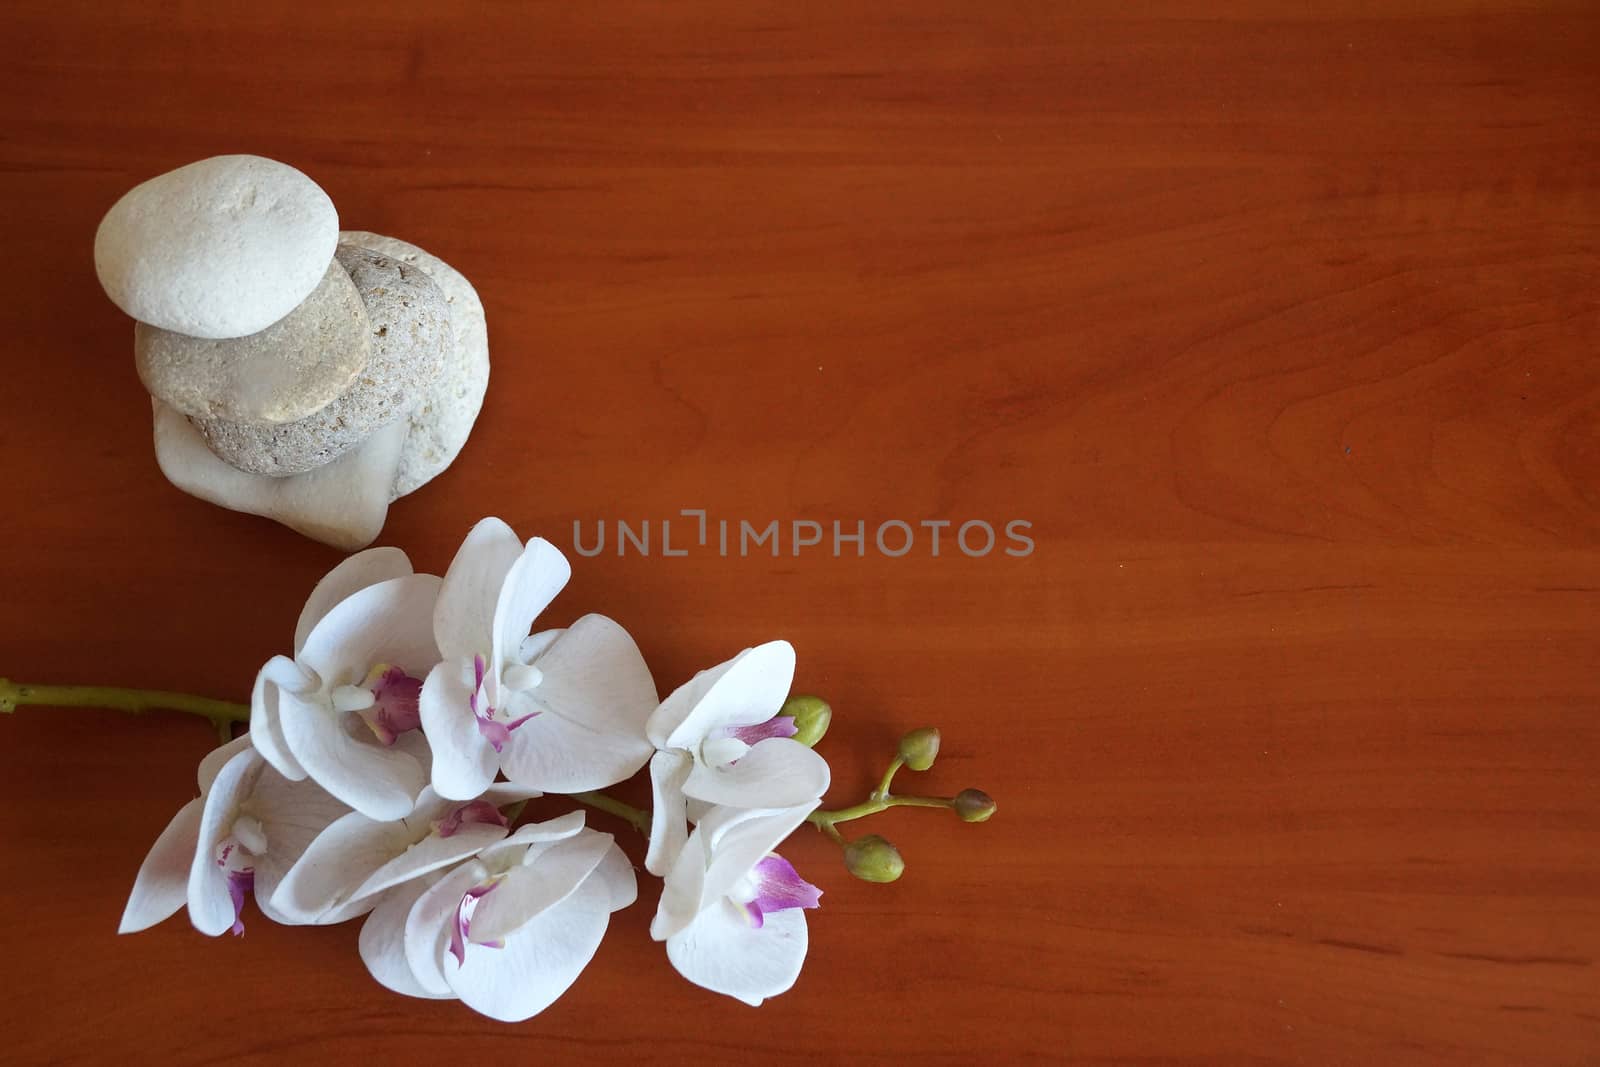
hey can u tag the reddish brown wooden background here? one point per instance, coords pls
(1280, 325)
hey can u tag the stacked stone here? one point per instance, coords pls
(297, 372)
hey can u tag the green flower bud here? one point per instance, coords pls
(920, 748)
(872, 859)
(811, 716)
(974, 805)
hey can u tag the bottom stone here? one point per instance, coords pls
(342, 504)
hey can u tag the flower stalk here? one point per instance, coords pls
(223, 714)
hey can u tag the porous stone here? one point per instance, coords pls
(287, 371)
(220, 248)
(441, 423)
(342, 504)
(410, 330)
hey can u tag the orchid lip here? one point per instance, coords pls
(777, 886)
(461, 927)
(393, 706)
(476, 812)
(241, 880)
(496, 731)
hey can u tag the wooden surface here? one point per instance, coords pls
(1280, 327)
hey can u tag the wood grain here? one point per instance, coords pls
(1278, 322)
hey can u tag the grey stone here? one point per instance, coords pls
(441, 423)
(287, 371)
(223, 247)
(410, 325)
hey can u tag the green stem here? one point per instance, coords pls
(882, 792)
(637, 817)
(222, 713)
(826, 820)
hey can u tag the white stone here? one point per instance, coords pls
(343, 504)
(441, 423)
(220, 248)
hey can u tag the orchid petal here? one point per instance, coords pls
(335, 864)
(266, 729)
(381, 783)
(594, 677)
(427, 926)
(292, 816)
(538, 963)
(775, 773)
(721, 951)
(539, 833)
(538, 575)
(213, 762)
(162, 885)
(389, 622)
(615, 875)
(463, 762)
(210, 900)
(668, 828)
(748, 689)
(534, 645)
(383, 939)
(740, 843)
(529, 891)
(350, 577)
(463, 617)
(558, 755)
(430, 854)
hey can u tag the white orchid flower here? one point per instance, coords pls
(732, 910)
(509, 931)
(343, 710)
(722, 742)
(561, 711)
(342, 871)
(245, 830)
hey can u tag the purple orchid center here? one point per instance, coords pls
(461, 929)
(395, 703)
(474, 813)
(241, 880)
(777, 726)
(778, 887)
(494, 730)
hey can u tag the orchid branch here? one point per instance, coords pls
(222, 713)
(638, 818)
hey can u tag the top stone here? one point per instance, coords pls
(220, 248)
